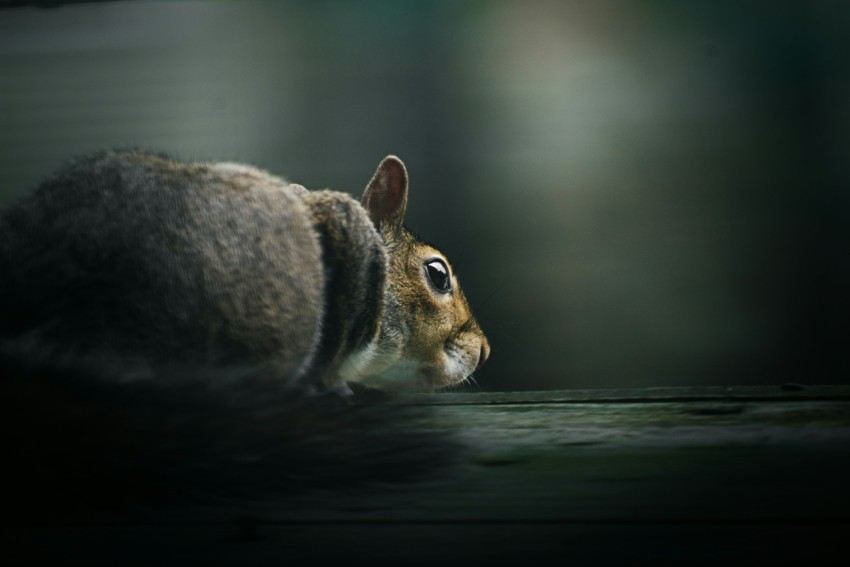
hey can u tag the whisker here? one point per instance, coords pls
(467, 325)
(499, 331)
(479, 307)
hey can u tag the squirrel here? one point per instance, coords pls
(140, 262)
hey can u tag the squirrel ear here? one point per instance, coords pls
(385, 198)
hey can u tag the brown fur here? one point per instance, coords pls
(428, 340)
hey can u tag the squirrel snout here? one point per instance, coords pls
(483, 355)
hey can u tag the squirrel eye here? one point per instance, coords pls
(438, 273)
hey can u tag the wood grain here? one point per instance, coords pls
(659, 476)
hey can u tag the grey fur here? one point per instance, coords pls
(132, 254)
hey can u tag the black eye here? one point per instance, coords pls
(438, 273)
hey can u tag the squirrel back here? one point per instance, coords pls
(139, 262)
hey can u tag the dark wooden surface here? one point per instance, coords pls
(683, 476)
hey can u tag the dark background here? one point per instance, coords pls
(633, 193)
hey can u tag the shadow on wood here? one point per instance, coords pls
(658, 476)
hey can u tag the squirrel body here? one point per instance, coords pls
(135, 257)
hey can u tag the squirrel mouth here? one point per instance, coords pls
(436, 378)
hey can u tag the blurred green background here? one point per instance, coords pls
(633, 193)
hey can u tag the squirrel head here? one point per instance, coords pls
(429, 338)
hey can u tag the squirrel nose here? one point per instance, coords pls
(483, 355)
